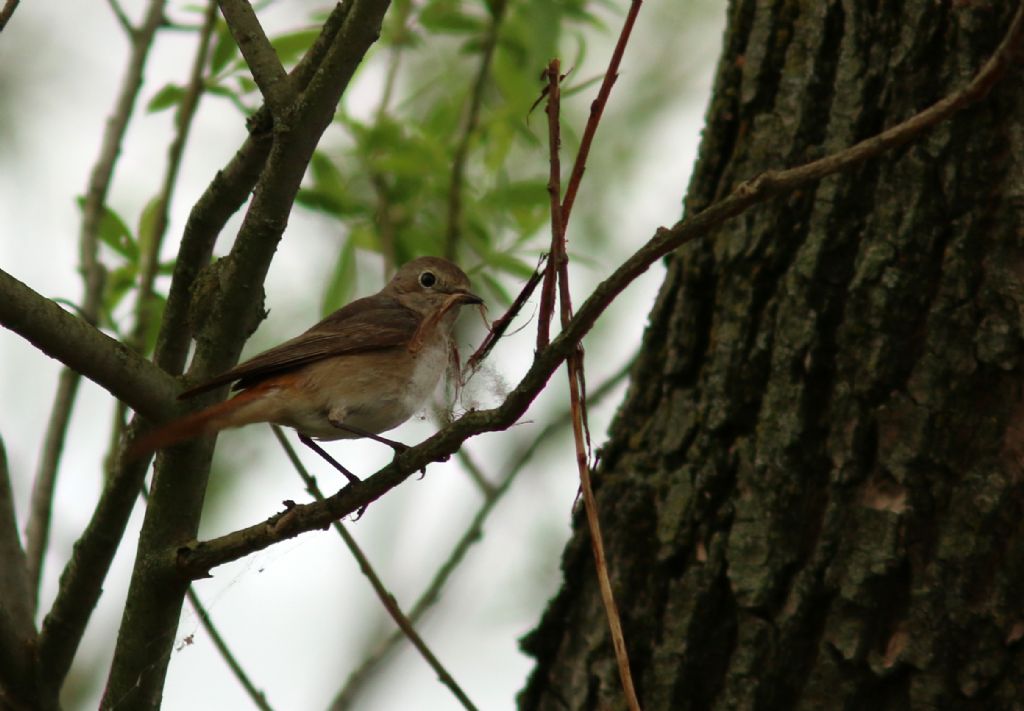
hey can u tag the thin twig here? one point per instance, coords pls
(500, 325)
(476, 474)
(14, 583)
(17, 630)
(150, 244)
(358, 679)
(150, 255)
(258, 697)
(122, 18)
(557, 251)
(574, 369)
(387, 230)
(37, 528)
(386, 598)
(596, 541)
(94, 275)
(597, 109)
(402, 11)
(5, 14)
(461, 154)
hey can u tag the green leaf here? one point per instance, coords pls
(154, 315)
(414, 156)
(517, 195)
(220, 90)
(365, 237)
(247, 85)
(510, 264)
(224, 50)
(114, 232)
(325, 174)
(314, 199)
(343, 280)
(167, 97)
(518, 88)
(498, 143)
(292, 45)
(495, 287)
(118, 283)
(147, 223)
(230, 94)
(330, 191)
(446, 17)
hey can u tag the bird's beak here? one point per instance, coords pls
(468, 297)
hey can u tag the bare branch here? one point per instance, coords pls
(226, 193)
(122, 18)
(557, 251)
(476, 98)
(386, 227)
(259, 699)
(82, 580)
(475, 473)
(386, 598)
(575, 372)
(37, 529)
(117, 368)
(17, 630)
(259, 54)
(94, 275)
(357, 680)
(14, 583)
(155, 595)
(110, 149)
(574, 363)
(501, 324)
(597, 109)
(8, 10)
(150, 255)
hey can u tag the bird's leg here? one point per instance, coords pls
(360, 432)
(331, 460)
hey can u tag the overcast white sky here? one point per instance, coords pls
(298, 614)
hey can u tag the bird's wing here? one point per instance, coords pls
(373, 323)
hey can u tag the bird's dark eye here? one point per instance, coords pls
(427, 279)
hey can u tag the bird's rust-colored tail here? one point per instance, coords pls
(207, 421)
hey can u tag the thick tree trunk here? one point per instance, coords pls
(812, 496)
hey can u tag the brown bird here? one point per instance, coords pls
(363, 370)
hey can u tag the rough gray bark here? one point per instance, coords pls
(812, 495)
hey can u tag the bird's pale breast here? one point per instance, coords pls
(375, 391)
